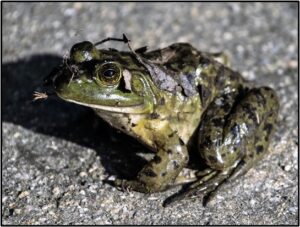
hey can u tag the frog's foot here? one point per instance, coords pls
(127, 185)
(210, 181)
(204, 186)
(131, 185)
(208, 184)
(185, 176)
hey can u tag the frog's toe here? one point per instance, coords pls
(131, 185)
(120, 184)
(205, 187)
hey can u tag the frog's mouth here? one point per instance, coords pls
(88, 93)
(134, 108)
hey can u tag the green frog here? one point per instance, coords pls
(173, 100)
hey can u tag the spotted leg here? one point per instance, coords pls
(163, 169)
(232, 138)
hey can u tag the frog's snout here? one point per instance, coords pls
(59, 76)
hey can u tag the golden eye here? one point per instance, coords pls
(108, 73)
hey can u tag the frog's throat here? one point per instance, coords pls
(143, 108)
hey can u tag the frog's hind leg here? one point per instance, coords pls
(233, 137)
(266, 117)
(255, 147)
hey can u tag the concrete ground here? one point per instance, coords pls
(55, 155)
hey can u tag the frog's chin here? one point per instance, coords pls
(143, 108)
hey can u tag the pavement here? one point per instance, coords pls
(56, 155)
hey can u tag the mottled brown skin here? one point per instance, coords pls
(170, 100)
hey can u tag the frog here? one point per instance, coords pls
(173, 100)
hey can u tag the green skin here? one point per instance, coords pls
(173, 99)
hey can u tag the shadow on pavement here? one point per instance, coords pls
(57, 118)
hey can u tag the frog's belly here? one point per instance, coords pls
(134, 125)
(147, 130)
(187, 126)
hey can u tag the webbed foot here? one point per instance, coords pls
(205, 187)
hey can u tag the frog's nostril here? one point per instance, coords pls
(48, 81)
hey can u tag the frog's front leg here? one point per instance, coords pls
(162, 170)
(234, 135)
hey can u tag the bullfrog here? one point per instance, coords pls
(173, 100)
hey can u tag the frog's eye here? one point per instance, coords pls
(108, 73)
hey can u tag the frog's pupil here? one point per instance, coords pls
(109, 73)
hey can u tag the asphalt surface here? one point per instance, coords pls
(55, 155)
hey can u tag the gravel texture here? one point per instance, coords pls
(55, 155)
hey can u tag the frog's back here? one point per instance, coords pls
(176, 57)
(196, 71)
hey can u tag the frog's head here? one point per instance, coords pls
(104, 80)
